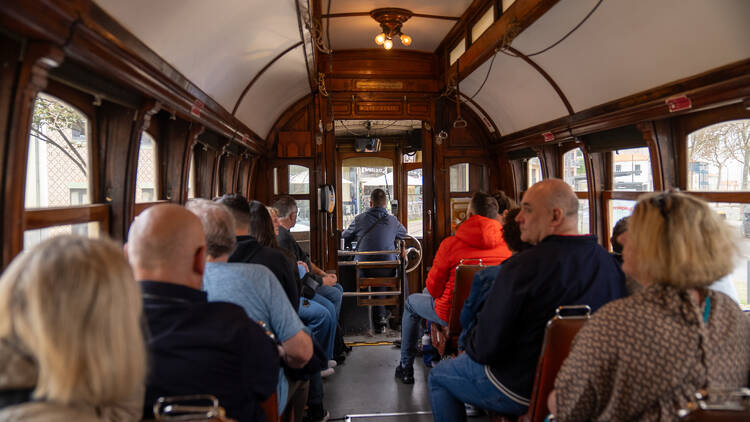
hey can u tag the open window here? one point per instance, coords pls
(574, 174)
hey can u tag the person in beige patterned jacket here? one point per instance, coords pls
(644, 357)
(71, 345)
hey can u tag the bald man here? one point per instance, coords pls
(502, 350)
(196, 346)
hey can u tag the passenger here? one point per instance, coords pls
(316, 316)
(253, 287)
(563, 268)
(643, 357)
(250, 250)
(376, 230)
(71, 345)
(504, 203)
(631, 285)
(328, 287)
(485, 279)
(480, 236)
(196, 346)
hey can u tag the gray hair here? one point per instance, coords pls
(285, 205)
(218, 225)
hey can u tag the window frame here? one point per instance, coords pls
(97, 210)
(580, 194)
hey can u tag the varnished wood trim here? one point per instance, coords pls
(48, 217)
(728, 197)
(547, 77)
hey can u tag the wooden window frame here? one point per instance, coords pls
(139, 206)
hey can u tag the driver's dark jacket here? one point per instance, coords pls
(380, 238)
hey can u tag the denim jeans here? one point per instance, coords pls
(461, 380)
(418, 306)
(334, 294)
(315, 395)
(319, 315)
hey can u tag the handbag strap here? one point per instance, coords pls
(369, 229)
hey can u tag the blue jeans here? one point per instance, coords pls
(461, 380)
(319, 315)
(418, 306)
(315, 394)
(334, 294)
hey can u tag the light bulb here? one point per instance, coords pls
(388, 44)
(380, 39)
(405, 39)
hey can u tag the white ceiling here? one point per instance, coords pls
(625, 47)
(360, 31)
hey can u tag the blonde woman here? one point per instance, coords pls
(71, 346)
(644, 357)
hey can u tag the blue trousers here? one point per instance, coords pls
(461, 380)
(334, 294)
(418, 306)
(319, 315)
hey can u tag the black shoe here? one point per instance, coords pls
(397, 343)
(316, 413)
(340, 358)
(406, 375)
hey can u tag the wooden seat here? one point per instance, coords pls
(271, 407)
(705, 415)
(558, 337)
(189, 409)
(445, 339)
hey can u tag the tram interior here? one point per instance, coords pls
(110, 107)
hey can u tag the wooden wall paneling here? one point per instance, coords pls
(327, 162)
(395, 64)
(24, 82)
(243, 175)
(259, 182)
(428, 192)
(552, 159)
(519, 178)
(599, 180)
(175, 146)
(648, 132)
(204, 167)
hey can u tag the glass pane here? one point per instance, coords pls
(359, 177)
(619, 208)
(719, 157)
(57, 165)
(459, 177)
(534, 171)
(574, 170)
(303, 216)
(483, 23)
(458, 50)
(458, 209)
(632, 170)
(191, 177)
(145, 179)
(414, 202)
(738, 217)
(583, 216)
(299, 180)
(415, 157)
(32, 237)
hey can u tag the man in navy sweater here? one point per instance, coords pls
(563, 268)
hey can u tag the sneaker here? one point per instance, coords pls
(471, 410)
(327, 372)
(332, 364)
(405, 375)
(316, 413)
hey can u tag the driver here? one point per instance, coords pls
(376, 230)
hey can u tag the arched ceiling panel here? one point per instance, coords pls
(627, 47)
(515, 96)
(275, 91)
(221, 46)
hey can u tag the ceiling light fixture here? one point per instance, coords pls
(391, 19)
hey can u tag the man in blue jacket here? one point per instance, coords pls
(502, 350)
(376, 230)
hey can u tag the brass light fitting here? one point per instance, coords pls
(391, 19)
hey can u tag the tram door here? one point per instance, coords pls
(462, 177)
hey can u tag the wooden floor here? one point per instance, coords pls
(365, 385)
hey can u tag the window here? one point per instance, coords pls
(632, 170)
(719, 157)
(414, 157)
(574, 174)
(299, 180)
(191, 177)
(459, 177)
(58, 157)
(414, 202)
(534, 171)
(483, 23)
(34, 236)
(458, 51)
(359, 177)
(738, 217)
(145, 179)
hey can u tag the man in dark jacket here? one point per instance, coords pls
(376, 230)
(563, 268)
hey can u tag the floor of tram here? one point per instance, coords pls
(365, 384)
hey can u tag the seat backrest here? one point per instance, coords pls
(703, 415)
(461, 289)
(561, 330)
(271, 407)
